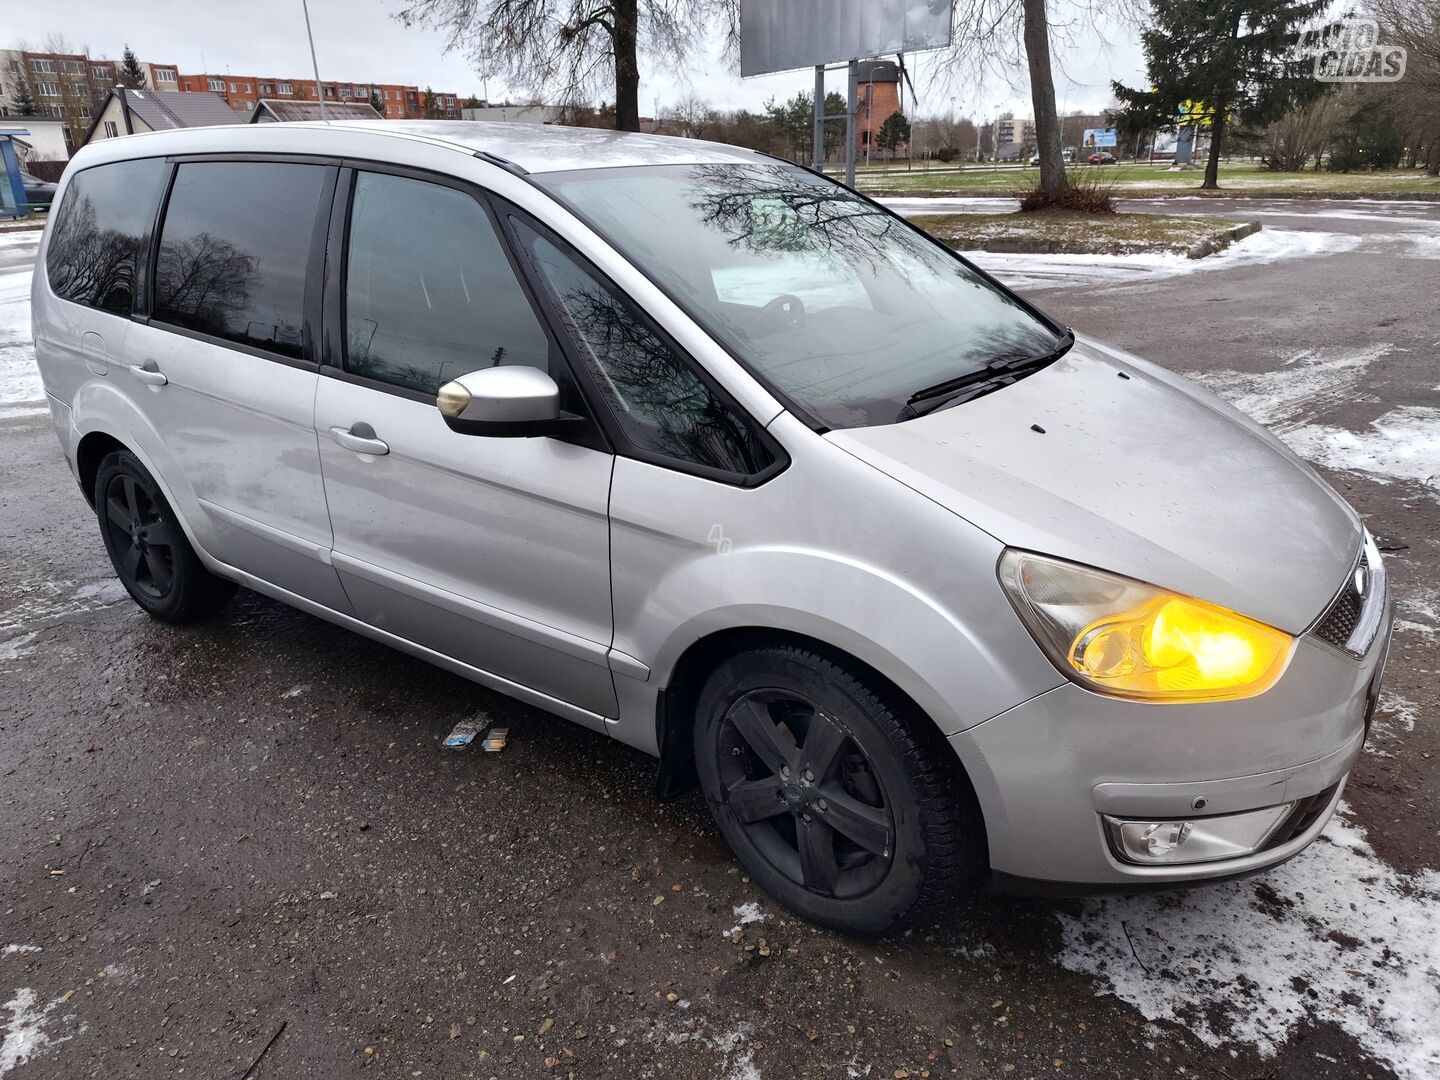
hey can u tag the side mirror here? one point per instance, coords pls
(501, 402)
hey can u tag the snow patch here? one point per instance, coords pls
(1334, 936)
(1403, 444)
(1423, 245)
(737, 1054)
(1422, 606)
(11, 950)
(1053, 271)
(17, 648)
(1310, 383)
(21, 393)
(28, 1033)
(39, 604)
(745, 914)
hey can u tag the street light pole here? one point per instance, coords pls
(315, 64)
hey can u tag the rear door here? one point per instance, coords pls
(224, 363)
(490, 551)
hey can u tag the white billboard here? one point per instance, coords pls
(784, 35)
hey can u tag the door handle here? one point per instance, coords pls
(149, 374)
(360, 438)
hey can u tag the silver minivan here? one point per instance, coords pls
(711, 454)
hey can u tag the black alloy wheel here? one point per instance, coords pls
(839, 797)
(148, 547)
(805, 793)
(144, 550)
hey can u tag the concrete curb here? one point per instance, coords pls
(1211, 244)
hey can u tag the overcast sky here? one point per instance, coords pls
(358, 40)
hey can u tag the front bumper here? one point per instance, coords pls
(1046, 771)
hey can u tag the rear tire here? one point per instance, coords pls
(147, 546)
(833, 791)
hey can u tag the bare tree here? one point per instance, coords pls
(1301, 135)
(1415, 24)
(693, 117)
(991, 35)
(57, 42)
(570, 48)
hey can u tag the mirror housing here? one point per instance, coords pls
(501, 402)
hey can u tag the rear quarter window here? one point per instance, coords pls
(101, 227)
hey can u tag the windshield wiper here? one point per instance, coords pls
(984, 380)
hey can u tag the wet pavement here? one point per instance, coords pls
(243, 840)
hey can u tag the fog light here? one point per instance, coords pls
(1194, 840)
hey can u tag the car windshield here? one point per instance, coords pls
(843, 307)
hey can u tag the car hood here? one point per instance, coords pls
(1145, 475)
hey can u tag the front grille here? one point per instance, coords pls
(1342, 618)
(1352, 620)
(1304, 815)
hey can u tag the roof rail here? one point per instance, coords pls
(504, 163)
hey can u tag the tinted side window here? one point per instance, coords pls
(429, 292)
(660, 402)
(234, 248)
(100, 231)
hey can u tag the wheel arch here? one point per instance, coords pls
(675, 704)
(100, 440)
(93, 449)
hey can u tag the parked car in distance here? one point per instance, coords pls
(1103, 157)
(39, 194)
(714, 456)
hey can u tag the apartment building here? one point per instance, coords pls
(1017, 138)
(65, 86)
(161, 76)
(240, 92)
(397, 101)
(72, 87)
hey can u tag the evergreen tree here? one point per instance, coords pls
(22, 100)
(376, 101)
(1229, 60)
(132, 75)
(893, 132)
(794, 123)
(430, 105)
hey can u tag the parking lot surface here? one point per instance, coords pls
(242, 841)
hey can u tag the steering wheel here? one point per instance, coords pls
(782, 313)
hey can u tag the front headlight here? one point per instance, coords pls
(1123, 637)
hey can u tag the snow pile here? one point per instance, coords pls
(21, 393)
(1335, 935)
(1052, 271)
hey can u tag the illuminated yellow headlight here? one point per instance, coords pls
(1124, 637)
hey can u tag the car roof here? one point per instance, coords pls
(553, 148)
(532, 148)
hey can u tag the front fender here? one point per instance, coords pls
(832, 549)
(956, 675)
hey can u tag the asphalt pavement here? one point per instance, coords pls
(242, 841)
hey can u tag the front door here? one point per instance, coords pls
(490, 551)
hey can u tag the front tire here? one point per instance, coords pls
(833, 791)
(147, 546)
